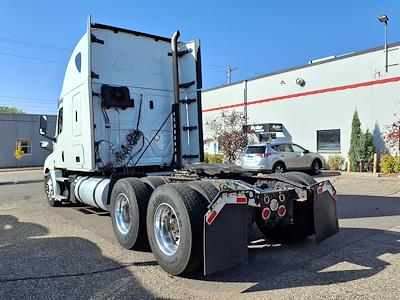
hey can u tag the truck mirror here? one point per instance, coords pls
(43, 125)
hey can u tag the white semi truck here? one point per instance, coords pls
(129, 140)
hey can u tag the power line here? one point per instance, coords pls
(30, 104)
(215, 66)
(33, 58)
(36, 45)
(249, 71)
(26, 98)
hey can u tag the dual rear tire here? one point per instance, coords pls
(129, 200)
(175, 227)
(168, 218)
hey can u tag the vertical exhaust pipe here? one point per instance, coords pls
(174, 46)
(175, 70)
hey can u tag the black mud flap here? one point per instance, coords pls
(325, 217)
(225, 239)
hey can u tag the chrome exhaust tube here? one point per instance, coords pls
(176, 106)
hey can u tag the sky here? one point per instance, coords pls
(258, 37)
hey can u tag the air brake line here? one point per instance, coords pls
(148, 145)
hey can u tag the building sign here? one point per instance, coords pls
(275, 127)
(263, 128)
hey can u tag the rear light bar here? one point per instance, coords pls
(263, 154)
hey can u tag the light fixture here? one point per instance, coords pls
(383, 18)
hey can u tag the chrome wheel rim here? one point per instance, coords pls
(49, 188)
(279, 169)
(123, 213)
(167, 229)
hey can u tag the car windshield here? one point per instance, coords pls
(255, 149)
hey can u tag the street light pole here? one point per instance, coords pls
(386, 48)
(384, 19)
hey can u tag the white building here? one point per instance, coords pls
(315, 102)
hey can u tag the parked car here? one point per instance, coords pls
(279, 157)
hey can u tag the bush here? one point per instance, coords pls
(325, 165)
(212, 158)
(356, 151)
(369, 150)
(390, 164)
(335, 162)
(397, 164)
(361, 147)
(19, 153)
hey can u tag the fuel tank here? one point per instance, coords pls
(92, 191)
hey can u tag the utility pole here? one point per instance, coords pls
(229, 72)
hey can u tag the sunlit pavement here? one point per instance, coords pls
(71, 252)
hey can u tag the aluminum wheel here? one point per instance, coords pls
(166, 229)
(279, 168)
(123, 213)
(49, 188)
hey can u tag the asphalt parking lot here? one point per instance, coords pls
(70, 252)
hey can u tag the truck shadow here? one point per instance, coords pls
(354, 253)
(303, 264)
(36, 265)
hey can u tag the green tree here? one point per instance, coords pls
(355, 152)
(11, 110)
(368, 150)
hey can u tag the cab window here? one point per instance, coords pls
(60, 121)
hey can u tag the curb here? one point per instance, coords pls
(362, 174)
(20, 182)
(329, 173)
(20, 169)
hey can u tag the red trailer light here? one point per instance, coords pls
(281, 211)
(266, 213)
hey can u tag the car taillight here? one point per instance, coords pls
(263, 154)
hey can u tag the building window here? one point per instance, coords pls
(26, 145)
(328, 140)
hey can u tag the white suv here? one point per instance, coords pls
(279, 157)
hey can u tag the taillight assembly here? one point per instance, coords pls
(263, 154)
(281, 211)
(266, 213)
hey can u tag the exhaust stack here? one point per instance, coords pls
(175, 70)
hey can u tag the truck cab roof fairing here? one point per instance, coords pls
(77, 71)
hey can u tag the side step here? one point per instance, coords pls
(62, 179)
(58, 197)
